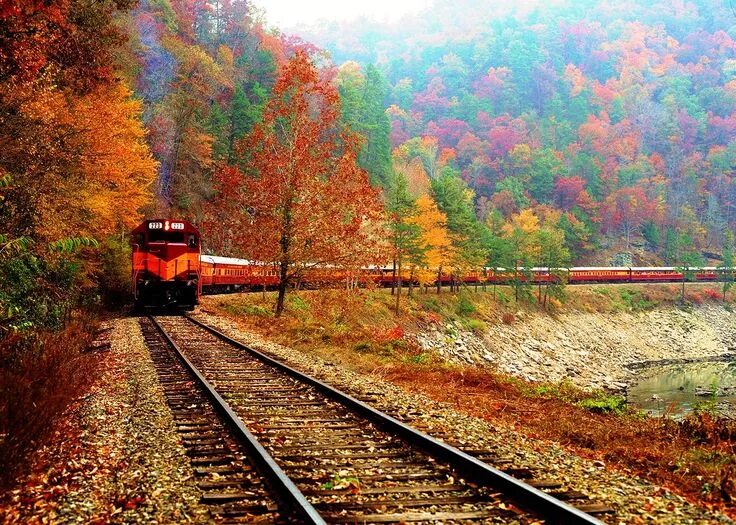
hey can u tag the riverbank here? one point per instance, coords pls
(462, 408)
(592, 350)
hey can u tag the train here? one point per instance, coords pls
(170, 270)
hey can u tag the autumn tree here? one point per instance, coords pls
(553, 255)
(520, 234)
(627, 210)
(73, 150)
(405, 233)
(499, 252)
(726, 265)
(455, 200)
(300, 200)
(436, 240)
(689, 260)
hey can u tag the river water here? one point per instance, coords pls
(676, 389)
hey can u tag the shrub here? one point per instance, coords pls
(35, 293)
(431, 317)
(432, 304)
(420, 358)
(391, 336)
(695, 297)
(295, 302)
(475, 325)
(565, 390)
(713, 294)
(40, 376)
(508, 318)
(248, 309)
(603, 403)
(635, 301)
(114, 273)
(502, 297)
(464, 305)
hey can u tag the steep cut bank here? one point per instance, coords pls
(593, 350)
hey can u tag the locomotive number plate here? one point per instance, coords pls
(155, 225)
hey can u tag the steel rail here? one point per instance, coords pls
(471, 468)
(266, 466)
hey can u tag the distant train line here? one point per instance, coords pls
(322, 456)
(169, 270)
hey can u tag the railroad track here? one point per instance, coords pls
(271, 444)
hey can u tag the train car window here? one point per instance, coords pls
(139, 238)
(192, 241)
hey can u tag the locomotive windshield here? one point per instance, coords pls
(164, 236)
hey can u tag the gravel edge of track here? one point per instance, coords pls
(125, 447)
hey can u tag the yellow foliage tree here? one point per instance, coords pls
(520, 232)
(437, 242)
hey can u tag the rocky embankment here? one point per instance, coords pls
(593, 350)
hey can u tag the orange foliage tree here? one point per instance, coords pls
(300, 199)
(70, 133)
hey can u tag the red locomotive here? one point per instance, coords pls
(166, 265)
(168, 270)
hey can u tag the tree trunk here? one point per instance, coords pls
(398, 286)
(393, 278)
(683, 285)
(283, 276)
(439, 279)
(546, 294)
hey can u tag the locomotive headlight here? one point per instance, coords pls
(166, 226)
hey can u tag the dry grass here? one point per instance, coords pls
(40, 376)
(359, 330)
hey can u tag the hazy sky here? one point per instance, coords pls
(285, 13)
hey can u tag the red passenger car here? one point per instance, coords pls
(224, 274)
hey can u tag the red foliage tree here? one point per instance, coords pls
(567, 191)
(301, 199)
(627, 210)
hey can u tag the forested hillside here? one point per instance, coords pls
(611, 121)
(204, 71)
(552, 134)
(110, 111)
